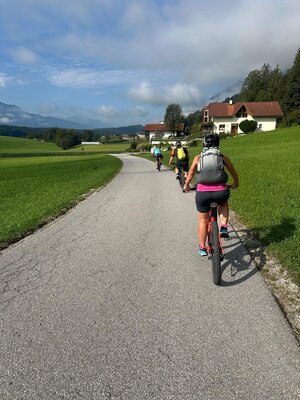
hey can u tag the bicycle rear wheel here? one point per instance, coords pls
(215, 253)
(181, 179)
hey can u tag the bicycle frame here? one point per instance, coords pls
(181, 178)
(215, 246)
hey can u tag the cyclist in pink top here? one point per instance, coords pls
(206, 193)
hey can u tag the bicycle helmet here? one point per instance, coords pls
(178, 143)
(211, 140)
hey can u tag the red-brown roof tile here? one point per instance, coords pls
(161, 127)
(256, 109)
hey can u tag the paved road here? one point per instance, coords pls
(111, 301)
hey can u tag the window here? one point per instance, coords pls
(222, 127)
(260, 126)
(242, 113)
(206, 119)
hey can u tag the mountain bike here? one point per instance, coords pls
(215, 247)
(181, 178)
(158, 163)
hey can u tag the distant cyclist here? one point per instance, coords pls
(158, 155)
(211, 186)
(182, 159)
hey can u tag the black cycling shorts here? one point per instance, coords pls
(159, 156)
(184, 164)
(204, 199)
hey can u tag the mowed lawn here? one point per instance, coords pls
(34, 189)
(268, 199)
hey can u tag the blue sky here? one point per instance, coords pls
(123, 61)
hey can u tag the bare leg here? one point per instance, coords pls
(202, 228)
(224, 213)
(176, 170)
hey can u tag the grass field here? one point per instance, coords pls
(33, 189)
(268, 199)
(103, 148)
(19, 145)
(14, 145)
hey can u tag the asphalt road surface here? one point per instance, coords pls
(112, 301)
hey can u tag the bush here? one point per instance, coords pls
(133, 146)
(248, 125)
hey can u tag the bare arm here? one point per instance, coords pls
(192, 170)
(233, 172)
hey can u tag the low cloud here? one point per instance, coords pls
(4, 80)
(184, 94)
(5, 120)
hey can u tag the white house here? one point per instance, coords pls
(226, 117)
(161, 130)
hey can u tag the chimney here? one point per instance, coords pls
(230, 101)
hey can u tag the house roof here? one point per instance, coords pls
(256, 109)
(161, 127)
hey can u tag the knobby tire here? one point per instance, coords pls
(181, 180)
(216, 253)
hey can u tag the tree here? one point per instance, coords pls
(173, 117)
(87, 136)
(66, 138)
(194, 118)
(292, 97)
(248, 125)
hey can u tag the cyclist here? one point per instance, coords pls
(158, 155)
(182, 159)
(215, 192)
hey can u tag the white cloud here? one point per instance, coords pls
(5, 120)
(23, 55)
(3, 80)
(178, 93)
(107, 112)
(87, 78)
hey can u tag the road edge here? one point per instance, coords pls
(284, 290)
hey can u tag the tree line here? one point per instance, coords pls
(268, 84)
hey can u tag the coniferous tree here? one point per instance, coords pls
(292, 97)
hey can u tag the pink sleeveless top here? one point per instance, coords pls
(211, 188)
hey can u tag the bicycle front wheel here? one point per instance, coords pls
(215, 253)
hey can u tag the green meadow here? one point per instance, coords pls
(268, 199)
(33, 190)
(19, 145)
(10, 146)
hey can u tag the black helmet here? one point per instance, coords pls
(211, 140)
(178, 143)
